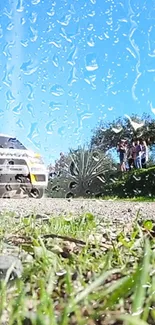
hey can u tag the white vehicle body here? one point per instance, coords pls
(21, 168)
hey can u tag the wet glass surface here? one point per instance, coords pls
(68, 66)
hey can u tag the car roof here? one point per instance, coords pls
(6, 135)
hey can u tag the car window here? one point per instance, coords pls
(11, 143)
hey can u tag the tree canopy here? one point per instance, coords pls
(107, 134)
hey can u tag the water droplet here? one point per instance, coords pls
(33, 18)
(100, 37)
(7, 74)
(72, 56)
(20, 7)
(8, 14)
(72, 9)
(65, 35)
(49, 127)
(43, 88)
(51, 12)
(93, 1)
(34, 34)
(86, 116)
(73, 185)
(57, 90)
(96, 156)
(55, 106)
(1, 112)
(24, 43)
(61, 130)
(117, 130)
(17, 109)
(10, 26)
(90, 27)
(46, 59)
(30, 109)
(90, 41)
(35, 2)
(20, 123)
(139, 312)
(55, 43)
(9, 97)
(72, 77)
(1, 32)
(65, 20)
(55, 61)
(90, 79)
(134, 124)
(31, 89)
(6, 49)
(92, 13)
(34, 132)
(152, 108)
(106, 35)
(23, 21)
(146, 285)
(91, 64)
(29, 67)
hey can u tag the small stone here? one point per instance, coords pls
(10, 262)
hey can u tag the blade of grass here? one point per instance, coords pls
(95, 284)
(120, 289)
(150, 299)
(132, 320)
(140, 292)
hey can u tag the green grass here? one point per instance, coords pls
(79, 271)
(139, 183)
(133, 199)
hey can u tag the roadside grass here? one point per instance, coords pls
(79, 271)
(133, 199)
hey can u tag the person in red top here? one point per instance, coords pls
(132, 155)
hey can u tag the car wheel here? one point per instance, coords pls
(36, 193)
(6, 195)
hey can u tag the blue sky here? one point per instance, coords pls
(67, 65)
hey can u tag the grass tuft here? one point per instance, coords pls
(78, 271)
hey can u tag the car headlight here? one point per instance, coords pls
(37, 159)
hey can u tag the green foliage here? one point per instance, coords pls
(148, 225)
(79, 279)
(107, 135)
(137, 183)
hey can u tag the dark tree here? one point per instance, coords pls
(107, 134)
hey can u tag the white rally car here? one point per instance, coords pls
(20, 169)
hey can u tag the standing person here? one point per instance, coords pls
(122, 155)
(132, 155)
(138, 160)
(145, 154)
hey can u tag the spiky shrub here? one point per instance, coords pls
(84, 175)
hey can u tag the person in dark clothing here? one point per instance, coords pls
(131, 155)
(138, 161)
(122, 150)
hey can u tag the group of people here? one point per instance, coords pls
(132, 155)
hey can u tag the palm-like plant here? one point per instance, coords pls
(85, 172)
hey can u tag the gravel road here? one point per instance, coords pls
(111, 210)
